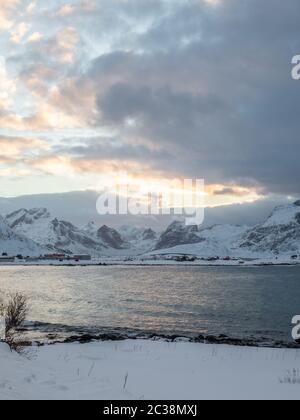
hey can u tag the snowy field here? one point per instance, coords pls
(149, 370)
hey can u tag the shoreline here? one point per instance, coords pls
(50, 334)
(201, 340)
(159, 263)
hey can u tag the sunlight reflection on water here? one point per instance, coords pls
(238, 302)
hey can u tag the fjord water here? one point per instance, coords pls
(239, 302)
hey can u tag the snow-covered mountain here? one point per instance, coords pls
(132, 234)
(35, 230)
(216, 241)
(39, 226)
(178, 234)
(140, 240)
(62, 236)
(111, 238)
(12, 243)
(90, 229)
(279, 234)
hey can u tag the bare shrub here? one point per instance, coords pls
(15, 313)
(2, 307)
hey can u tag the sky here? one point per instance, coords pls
(161, 89)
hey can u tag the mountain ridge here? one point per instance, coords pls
(13, 243)
(279, 234)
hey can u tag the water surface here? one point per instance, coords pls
(239, 302)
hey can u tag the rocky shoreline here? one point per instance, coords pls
(60, 335)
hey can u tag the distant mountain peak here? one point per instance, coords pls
(110, 237)
(24, 216)
(279, 234)
(178, 234)
(90, 229)
(149, 234)
(52, 233)
(13, 243)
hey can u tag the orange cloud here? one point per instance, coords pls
(19, 32)
(53, 165)
(35, 37)
(64, 45)
(56, 107)
(14, 152)
(6, 13)
(108, 171)
(232, 190)
(47, 117)
(68, 166)
(4, 160)
(14, 147)
(66, 10)
(70, 9)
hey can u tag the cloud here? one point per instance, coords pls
(45, 118)
(15, 146)
(64, 45)
(59, 48)
(53, 165)
(234, 191)
(35, 37)
(4, 160)
(237, 118)
(40, 68)
(76, 8)
(194, 88)
(18, 33)
(6, 13)
(31, 7)
(66, 10)
(16, 154)
(100, 155)
(7, 87)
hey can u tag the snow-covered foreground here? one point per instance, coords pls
(149, 370)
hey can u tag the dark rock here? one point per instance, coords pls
(110, 237)
(149, 234)
(179, 234)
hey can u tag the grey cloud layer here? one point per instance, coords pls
(213, 87)
(208, 88)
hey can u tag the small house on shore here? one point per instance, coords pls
(7, 260)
